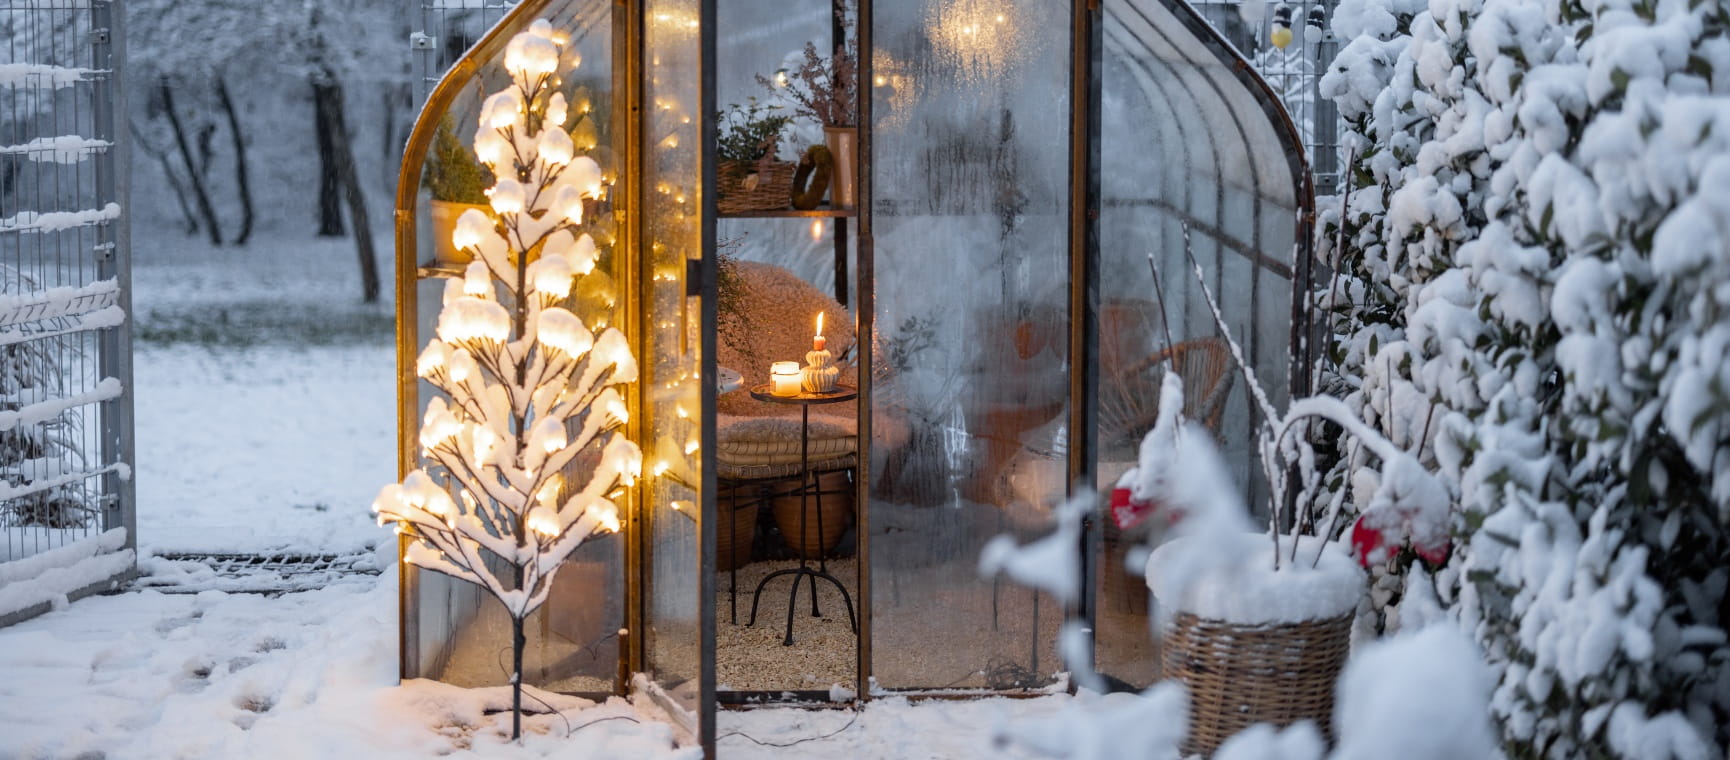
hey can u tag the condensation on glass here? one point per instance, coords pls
(970, 175)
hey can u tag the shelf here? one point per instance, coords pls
(434, 270)
(819, 212)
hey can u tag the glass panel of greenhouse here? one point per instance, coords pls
(1197, 170)
(971, 203)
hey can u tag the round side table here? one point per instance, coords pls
(805, 400)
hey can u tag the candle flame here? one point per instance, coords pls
(819, 324)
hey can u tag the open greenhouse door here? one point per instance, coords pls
(1199, 159)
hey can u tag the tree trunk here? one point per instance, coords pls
(518, 641)
(240, 179)
(198, 192)
(329, 181)
(174, 183)
(342, 155)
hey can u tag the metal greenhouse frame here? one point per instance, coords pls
(999, 195)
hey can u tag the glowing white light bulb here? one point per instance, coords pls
(551, 434)
(540, 521)
(569, 202)
(471, 227)
(508, 196)
(529, 56)
(562, 330)
(583, 255)
(555, 147)
(552, 276)
(477, 281)
(557, 110)
(501, 109)
(490, 146)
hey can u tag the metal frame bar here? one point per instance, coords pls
(865, 332)
(112, 175)
(1084, 198)
(708, 278)
(640, 532)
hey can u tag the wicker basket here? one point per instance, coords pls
(773, 190)
(1239, 675)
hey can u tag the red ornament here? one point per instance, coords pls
(1436, 555)
(1365, 541)
(1126, 511)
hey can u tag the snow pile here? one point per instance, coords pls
(41, 75)
(1244, 588)
(1417, 696)
(55, 221)
(1532, 296)
(50, 576)
(1149, 725)
(65, 149)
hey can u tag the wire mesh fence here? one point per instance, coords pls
(1290, 45)
(447, 29)
(65, 372)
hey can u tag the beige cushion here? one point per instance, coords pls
(753, 447)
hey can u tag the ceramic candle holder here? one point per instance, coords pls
(820, 373)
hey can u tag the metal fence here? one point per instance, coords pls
(1290, 45)
(447, 29)
(67, 521)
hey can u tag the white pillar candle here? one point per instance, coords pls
(784, 378)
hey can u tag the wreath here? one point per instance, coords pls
(819, 158)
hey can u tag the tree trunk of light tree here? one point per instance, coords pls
(242, 185)
(336, 153)
(518, 641)
(194, 177)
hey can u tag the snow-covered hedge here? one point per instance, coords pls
(1536, 269)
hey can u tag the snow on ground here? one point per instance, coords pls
(313, 675)
(264, 447)
(265, 397)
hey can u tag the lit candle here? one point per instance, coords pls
(818, 342)
(784, 378)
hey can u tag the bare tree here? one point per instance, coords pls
(195, 176)
(241, 185)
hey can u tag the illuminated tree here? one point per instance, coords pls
(523, 454)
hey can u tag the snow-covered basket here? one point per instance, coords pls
(1253, 644)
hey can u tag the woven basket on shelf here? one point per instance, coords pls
(772, 191)
(1239, 675)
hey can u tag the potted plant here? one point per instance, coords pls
(1260, 635)
(826, 90)
(750, 177)
(458, 182)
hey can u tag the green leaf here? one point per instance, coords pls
(1619, 79)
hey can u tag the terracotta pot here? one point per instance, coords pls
(444, 222)
(734, 531)
(837, 514)
(843, 144)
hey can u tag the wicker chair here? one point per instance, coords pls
(1129, 397)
